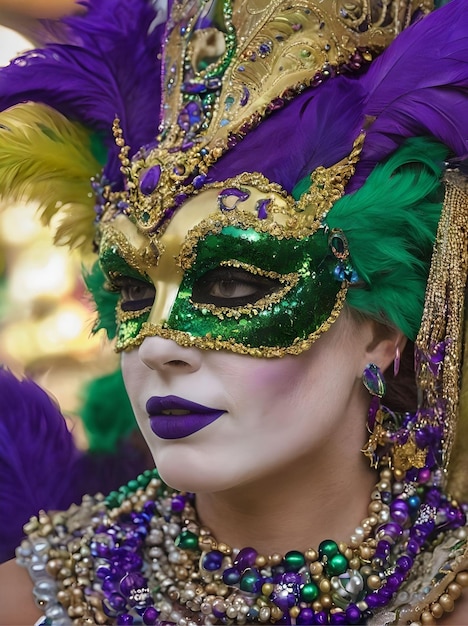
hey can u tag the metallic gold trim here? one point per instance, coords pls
(289, 281)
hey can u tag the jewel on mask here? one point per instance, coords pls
(234, 195)
(339, 246)
(190, 116)
(261, 208)
(150, 180)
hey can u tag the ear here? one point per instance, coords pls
(386, 344)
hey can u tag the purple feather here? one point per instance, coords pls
(110, 68)
(419, 86)
(317, 128)
(40, 466)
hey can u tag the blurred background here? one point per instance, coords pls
(46, 316)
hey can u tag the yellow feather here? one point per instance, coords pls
(48, 159)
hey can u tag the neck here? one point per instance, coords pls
(297, 509)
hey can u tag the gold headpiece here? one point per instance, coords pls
(228, 65)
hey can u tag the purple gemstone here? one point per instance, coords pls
(245, 558)
(261, 208)
(245, 96)
(213, 83)
(150, 180)
(193, 87)
(240, 195)
(199, 181)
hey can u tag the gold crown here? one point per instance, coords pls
(229, 64)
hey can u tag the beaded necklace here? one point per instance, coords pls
(191, 578)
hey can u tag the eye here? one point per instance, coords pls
(232, 287)
(135, 294)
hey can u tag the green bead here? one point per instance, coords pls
(132, 486)
(337, 565)
(293, 561)
(328, 548)
(249, 580)
(309, 592)
(187, 540)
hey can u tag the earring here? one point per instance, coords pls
(373, 380)
(396, 361)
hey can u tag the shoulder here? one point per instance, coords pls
(17, 606)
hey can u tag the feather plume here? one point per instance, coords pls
(390, 224)
(418, 87)
(110, 66)
(40, 466)
(48, 159)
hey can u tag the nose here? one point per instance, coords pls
(166, 356)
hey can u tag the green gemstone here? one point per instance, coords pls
(328, 548)
(309, 592)
(293, 561)
(187, 540)
(337, 565)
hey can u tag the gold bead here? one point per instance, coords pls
(446, 602)
(317, 606)
(427, 618)
(311, 555)
(342, 547)
(264, 614)
(462, 579)
(294, 611)
(260, 561)
(348, 553)
(316, 568)
(436, 610)
(326, 601)
(267, 589)
(275, 559)
(375, 507)
(454, 590)
(224, 548)
(374, 582)
(325, 586)
(354, 563)
(64, 598)
(276, 613)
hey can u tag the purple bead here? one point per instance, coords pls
(178, 504)
(404, 563)
(338, 618)
(150, 180)
(305, 617)
(117, 601)
(245, 558)
(391, 530)
(199, 181)
(150, 616)
(213, 560)
(217, 613)
(108, 585)
(353, 614)
(231, 576)
(132, 581)
(373, 601)
(321, 618)
(424, 475)
(122, 620)
(394, 581)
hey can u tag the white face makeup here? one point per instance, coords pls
(252, 416)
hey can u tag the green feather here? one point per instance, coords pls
(105, 300)
(391, 224)
(48, 159)
(106, 413)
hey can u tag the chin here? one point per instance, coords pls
(185, 471)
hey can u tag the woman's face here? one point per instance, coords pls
(215, 420)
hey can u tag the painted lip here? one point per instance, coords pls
(178, 426)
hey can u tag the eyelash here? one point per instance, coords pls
(254, 287)
(129, 302)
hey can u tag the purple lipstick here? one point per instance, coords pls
(172, 417)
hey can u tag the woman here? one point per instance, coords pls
(262, 263)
